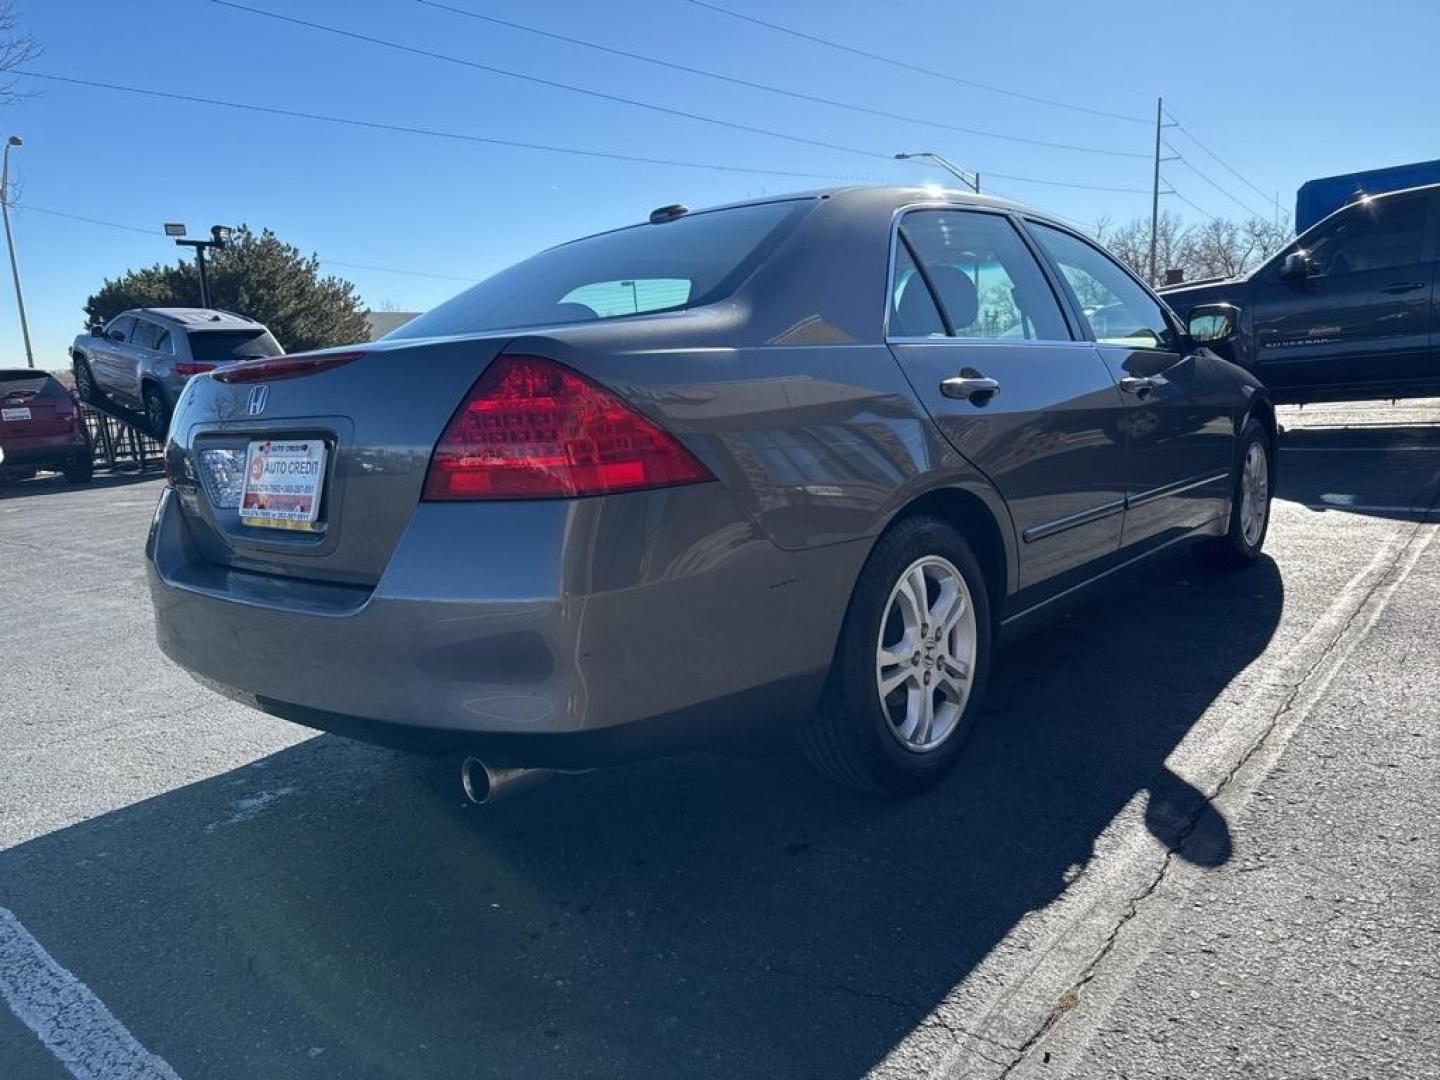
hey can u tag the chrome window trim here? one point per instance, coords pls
(898, 214)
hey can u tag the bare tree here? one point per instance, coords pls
(1131, 243)
(1221, 247)
(16, 48)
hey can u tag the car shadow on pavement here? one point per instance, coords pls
(333, 911)
(1384, 471)
(56, 484)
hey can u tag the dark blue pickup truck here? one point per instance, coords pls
(1345, 312)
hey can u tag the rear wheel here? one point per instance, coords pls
(1250, 493)
(910, 667)
(85, 382)
(157, 411)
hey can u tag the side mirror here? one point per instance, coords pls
(1296, 266)
(1213, 324)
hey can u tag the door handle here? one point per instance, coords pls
(1133, 384)
(968, 386)
(1402, 287)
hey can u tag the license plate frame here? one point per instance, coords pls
(16, 413)
(284, 484)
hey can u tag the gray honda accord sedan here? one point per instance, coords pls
(798, 460)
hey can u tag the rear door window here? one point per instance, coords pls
(912, 307)
(693, 260)
(986, 281)
(146, 334)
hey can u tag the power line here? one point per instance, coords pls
(554, 83)
(394, 270)
(376, 125)
(1193, 206)
(27, 207)
(385, 43)
(797, 95)
(1216, 157)
(916, 67)
(437, 133)
(1066, 184)
(1223, 191)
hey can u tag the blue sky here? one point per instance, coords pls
(1282, 91)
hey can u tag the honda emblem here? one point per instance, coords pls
(255, 403)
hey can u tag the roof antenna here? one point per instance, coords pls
(668, 213)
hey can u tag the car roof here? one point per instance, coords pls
(21, 372)
(895, 195)
(199, 318)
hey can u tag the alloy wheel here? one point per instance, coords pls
(1254, 493)
(925, 659)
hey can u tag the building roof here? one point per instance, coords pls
(382, 322)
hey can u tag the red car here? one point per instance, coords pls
(41, 428)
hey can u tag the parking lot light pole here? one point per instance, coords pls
(219, 238)
(968, 178)
(14, 140)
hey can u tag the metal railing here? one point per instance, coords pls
(121, 439)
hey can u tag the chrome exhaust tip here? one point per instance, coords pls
(484, 784)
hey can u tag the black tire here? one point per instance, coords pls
(81, 473)
(1235, 549)
(157, 411)
(85, 384)
(851, 738)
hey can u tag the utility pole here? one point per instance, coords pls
(14, 140)
(219, 237)
(1155, 190)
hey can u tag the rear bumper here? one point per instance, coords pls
(43, 451)
(525, 631)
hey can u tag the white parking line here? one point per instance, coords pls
(66, 1016)
(1028, 987)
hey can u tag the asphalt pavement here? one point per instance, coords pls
(1195, 837)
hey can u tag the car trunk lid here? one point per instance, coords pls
(365, 417)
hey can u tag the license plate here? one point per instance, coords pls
(283, 483)
(22, 413)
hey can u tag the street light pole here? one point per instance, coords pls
(219, 238)
(968, 178)
(14, 140)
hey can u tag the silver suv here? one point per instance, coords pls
(142, 358)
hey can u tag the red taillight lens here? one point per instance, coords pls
(283, 367)
(184, 367)
(534, 429)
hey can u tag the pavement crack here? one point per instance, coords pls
(1070, 997)
(910, 1008)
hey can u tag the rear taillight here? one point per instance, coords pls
(187, 369)
(531, 428)
(283, 367)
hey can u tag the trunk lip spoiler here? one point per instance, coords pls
(286, 366)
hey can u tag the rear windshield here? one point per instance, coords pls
(222, 346)
(29, 384)
(692, 260)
